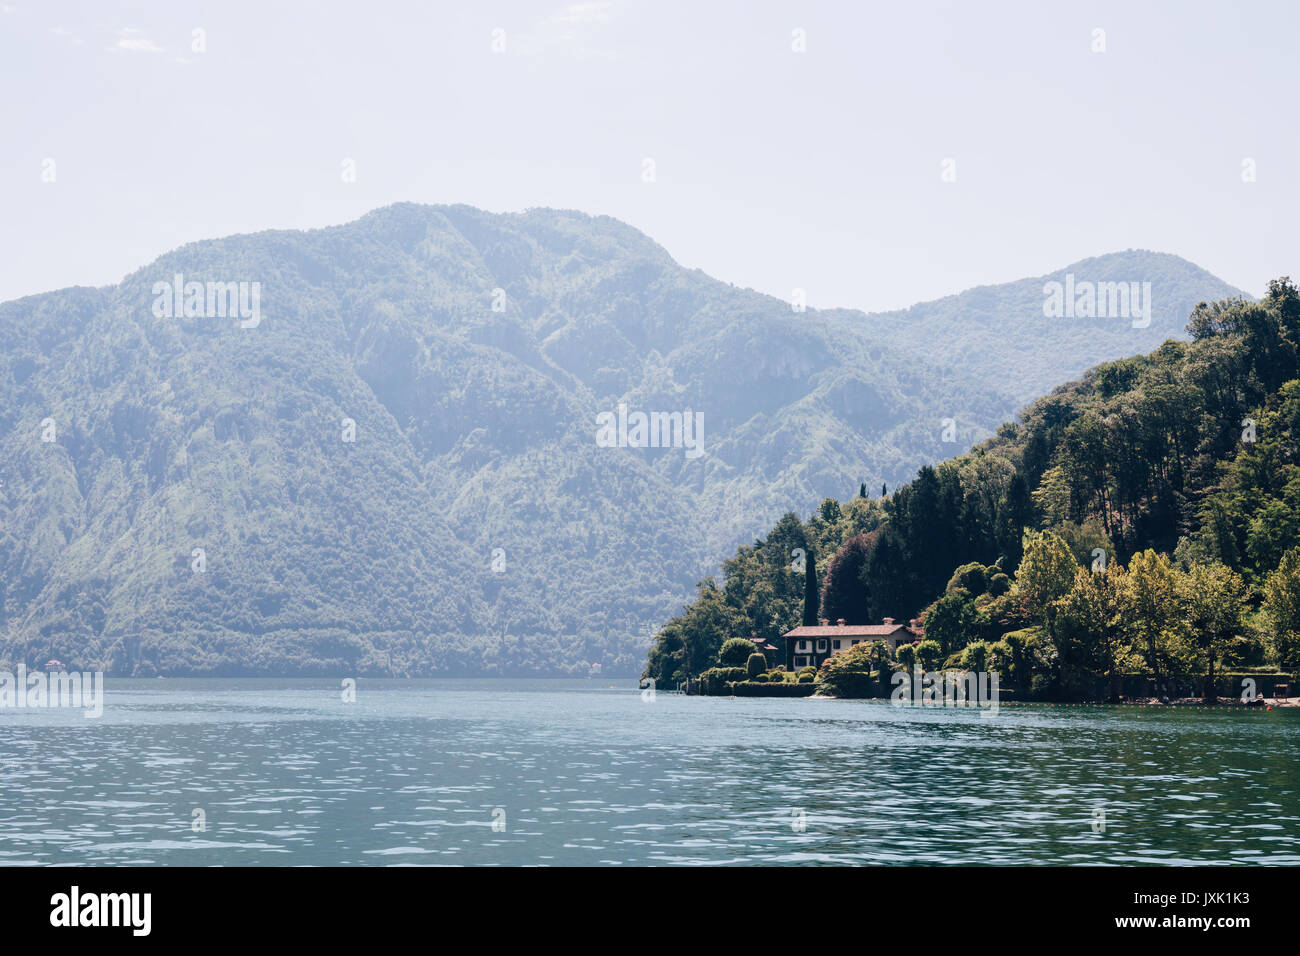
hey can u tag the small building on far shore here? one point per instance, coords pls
(809, 646)
(770, 651)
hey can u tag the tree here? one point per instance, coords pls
(975, 656)
(735, 652)
(1017, 656)
(1046, 573)
(1085, 539)
(1148, 603)
(972, 577)
(1282, 608)
(998, 659)
(886, 580)
(811, 597)
(1052, 497)
(1271, 532)
(755, 665)
(1015, 515)
(689, 643)
(952, 621)
(1211, 597)
(843, 595)
(929, 655)
(1089, 638)
(848, 674)
(879, 655)
(905, 654)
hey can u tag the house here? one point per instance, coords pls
(770, 651)
(809, 646)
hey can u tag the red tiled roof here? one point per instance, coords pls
(848, 630)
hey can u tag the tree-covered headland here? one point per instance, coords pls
(1143, 521)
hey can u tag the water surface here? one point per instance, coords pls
(589, 773)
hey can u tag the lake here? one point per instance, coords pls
(509, 772)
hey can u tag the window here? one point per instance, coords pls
(837, 645)
(821, 644)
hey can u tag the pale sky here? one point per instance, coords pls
(774, 169)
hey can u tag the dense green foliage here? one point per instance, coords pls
(861, 671)
(1134, 521)
(1282, 609)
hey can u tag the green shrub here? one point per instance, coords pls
(885, 680)
(848, 674)
(928, 655)
(715, 679)
(756, 664)
(906, 655)
(972, 577)
(974, 657)
(749, 688)
(735, 652)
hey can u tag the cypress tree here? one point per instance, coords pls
(811, 593)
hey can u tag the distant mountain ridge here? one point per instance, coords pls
(179, 495)
(1000, 332)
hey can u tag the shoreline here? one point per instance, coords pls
(1262, 703)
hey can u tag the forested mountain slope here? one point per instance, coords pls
(1175, 476)
(394, 466)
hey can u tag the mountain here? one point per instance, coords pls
(1001, 333)
(392, 460)
(1144, 518)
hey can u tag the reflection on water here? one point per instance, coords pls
(579, 772)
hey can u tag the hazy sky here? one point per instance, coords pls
(773, 169)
